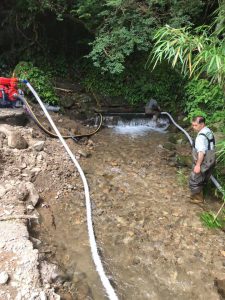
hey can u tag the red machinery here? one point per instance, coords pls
(8, 91)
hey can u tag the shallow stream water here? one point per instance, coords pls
(150, 237)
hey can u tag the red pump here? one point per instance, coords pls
(8, 89)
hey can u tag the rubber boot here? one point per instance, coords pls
(197, 198)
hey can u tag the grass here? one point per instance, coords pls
(181, 177)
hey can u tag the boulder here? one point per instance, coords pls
(4, 277)
(39, 146)
(15, 139)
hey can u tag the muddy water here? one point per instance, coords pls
(150, 237)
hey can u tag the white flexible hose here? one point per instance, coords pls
(96, 258)
(178, 126)
(213, 179)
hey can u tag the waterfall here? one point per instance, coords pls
(135, 124)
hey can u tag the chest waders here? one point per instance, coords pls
(210, 155)
(198, 180)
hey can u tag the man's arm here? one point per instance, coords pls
(197, 168)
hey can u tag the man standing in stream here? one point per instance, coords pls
(203, 158)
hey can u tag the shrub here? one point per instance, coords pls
(41, 81)
(204, 98)
(137, 85)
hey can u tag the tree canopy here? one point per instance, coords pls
(108, 31)
(106, 44)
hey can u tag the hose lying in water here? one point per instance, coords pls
(96, 258)
(213, 179)
(51, 134)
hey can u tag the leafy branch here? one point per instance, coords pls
(196, 51)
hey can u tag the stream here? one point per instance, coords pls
(151, 240)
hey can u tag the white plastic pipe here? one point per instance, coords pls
(96, 258)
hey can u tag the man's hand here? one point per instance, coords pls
(197, 169)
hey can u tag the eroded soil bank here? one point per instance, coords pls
(150, 237)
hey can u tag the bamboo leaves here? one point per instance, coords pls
(196, 51)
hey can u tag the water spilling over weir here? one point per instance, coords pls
(134, 123)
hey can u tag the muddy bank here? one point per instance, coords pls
(150, 237)
(34, 169)
(21, 271)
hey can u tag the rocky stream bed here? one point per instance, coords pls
(150, 237)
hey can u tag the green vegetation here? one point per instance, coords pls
(220, 152)
(138, 87)
(105, 46)
(182, 178)
(39, 79)
(112, 38)
(124, 27)
(204, 98)
(210, 220)
(199, 54)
